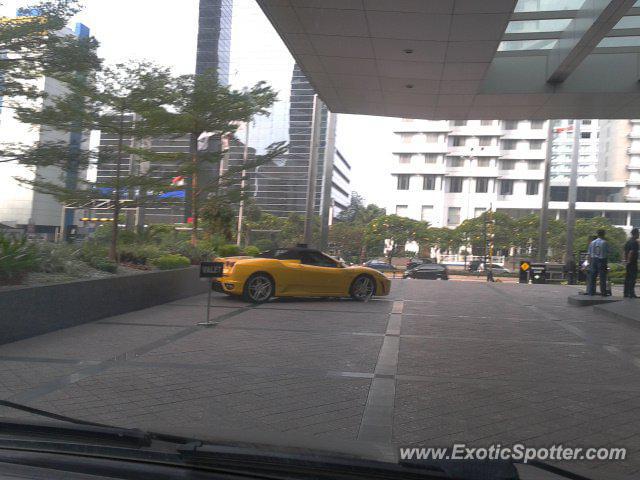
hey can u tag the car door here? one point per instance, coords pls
(319, 274)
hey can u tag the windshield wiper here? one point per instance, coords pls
(81, 429)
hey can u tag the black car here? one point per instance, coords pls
(380, 266)
(414, 262)
(428, 271)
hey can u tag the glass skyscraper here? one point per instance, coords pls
(258, 54)
(213, 54)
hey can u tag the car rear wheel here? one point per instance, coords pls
(258, 288)
(363, 288)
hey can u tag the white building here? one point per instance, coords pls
(445, 172)
(21, 206)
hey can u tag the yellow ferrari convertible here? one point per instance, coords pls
(297, 272)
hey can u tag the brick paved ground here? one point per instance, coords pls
(434, 363)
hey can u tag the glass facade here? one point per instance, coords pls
(280, 187)
(213, 54)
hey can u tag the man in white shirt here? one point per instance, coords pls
(598, 254)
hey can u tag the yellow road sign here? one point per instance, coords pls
(525, 266)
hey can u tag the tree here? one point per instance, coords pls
(358, 213)
(587, 228)
(472, 232)
(123, 101)
(398, 231)
(280, 232)
(349, 232)
(201, 107)
(32, 47)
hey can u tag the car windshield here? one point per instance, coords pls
(358, 223)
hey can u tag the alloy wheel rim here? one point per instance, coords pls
(260, 289)
(363, 288)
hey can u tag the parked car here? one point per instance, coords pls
(296, 272)
(495, 268)
(414, 262)
(428, 271)
(380, 265)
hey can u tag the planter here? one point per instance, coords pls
(29, 311)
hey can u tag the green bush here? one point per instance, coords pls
(58, 258)
(252, 251)
(198, 254)
(17, 258)
(168, 262)
(229, 250)
(93, 249)
(103, 265)
(139, 254)
(265, 244)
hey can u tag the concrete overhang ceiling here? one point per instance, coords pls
(467, 59)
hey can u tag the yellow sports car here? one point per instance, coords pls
(297, 272)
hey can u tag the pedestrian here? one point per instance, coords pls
(598, 254)
(631, 261)
(586, 268)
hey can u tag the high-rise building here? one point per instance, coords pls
(212, 55)
(21, 206)
(588, 162)
(214, 38)
(280, 187)
(447, 172)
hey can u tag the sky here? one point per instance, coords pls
(164, 31)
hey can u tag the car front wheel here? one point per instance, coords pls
(363, 288)
(258, 288)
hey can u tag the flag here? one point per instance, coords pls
(203, 141)
(176, 194)
(178, 181)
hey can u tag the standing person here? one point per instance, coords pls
(631, 260)
(598, 254)
(586, 268)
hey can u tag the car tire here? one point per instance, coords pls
(363, 288)
(258, 288)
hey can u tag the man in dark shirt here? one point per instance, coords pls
(631, 259)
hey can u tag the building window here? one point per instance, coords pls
(510, 125)
(484, 162)
(535, 144)
(482, 185)
(404, 158)
(427, 212)
(455, 184)
(455, 162)
(406, 137)
(430, 158)
(585, 135)
(537, 124)
(403, 182)
(459, 141)
(401, 210)
(485, 141)
(586, 122)
(509, 144)
(486, 123)
(507, 165)
(533, 187)
(506, 187)
(453, 217)
(459, 123)
(534, 164)
(432, 137)
(428, 182)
